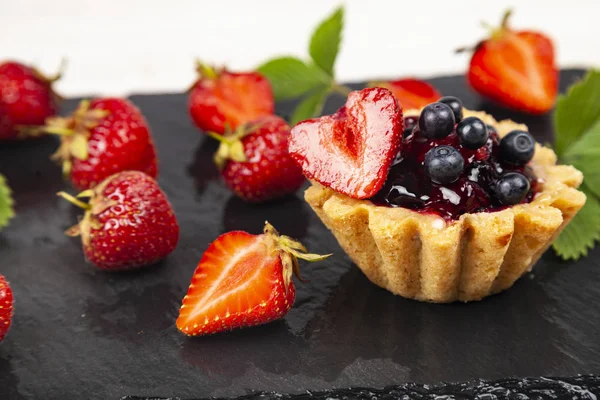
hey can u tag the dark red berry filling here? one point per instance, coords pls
(408, 186)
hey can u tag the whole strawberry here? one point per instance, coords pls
(221, 101)
(6, 307)
(102, 137)
(26, 98)
(411, 93)
(255, 163)
(516, 69)
(128, 222)
(242, 280)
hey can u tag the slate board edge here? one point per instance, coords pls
(576, 387)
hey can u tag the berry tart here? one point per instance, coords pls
(440, 205)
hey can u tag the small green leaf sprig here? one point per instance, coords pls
(314, 80)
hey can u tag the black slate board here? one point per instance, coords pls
(79, 332)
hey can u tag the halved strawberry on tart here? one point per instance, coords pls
(438, 205)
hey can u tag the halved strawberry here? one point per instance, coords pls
(411, 93)
(351, 151)
(516, 69)
(222, 100)
(6, 307)
(242, 280)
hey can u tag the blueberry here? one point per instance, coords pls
(409, 123)
(517, 147)
(436, 121)
(472, 133)
(444, 164)
(455, 104)
(511, 188)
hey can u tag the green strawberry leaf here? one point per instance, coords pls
(310, 106)
(291, 77)
(581, 234)
(577, 126)
(584, 155)
(325, 41)
(6, 203)
(577, 111)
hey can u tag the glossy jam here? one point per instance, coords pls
(408, 186)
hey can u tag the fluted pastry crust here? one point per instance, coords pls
(423, 257)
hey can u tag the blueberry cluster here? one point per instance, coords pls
(450, 164)
(445, 164)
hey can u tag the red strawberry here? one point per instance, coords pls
(351, 151)
(411, 93)
(128, 222)
(101, 138)
(255, 163)
(516, 69)
(223, 100)
(242, 280)
(26, 98)
(6, 307)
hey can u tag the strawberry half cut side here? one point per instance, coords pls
(411, 93)
(516, 69)
(242, 280)
(352, 150)
(221, 100)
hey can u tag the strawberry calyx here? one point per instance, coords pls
(207, 71)
(498, 31)
(231, 146)
(495, 32)
(289, 251)
(95, 206)
(74, 132)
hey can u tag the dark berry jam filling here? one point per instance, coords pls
(476, 189)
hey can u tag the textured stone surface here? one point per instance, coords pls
(83, 333)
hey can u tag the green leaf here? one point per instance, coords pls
(291, 77)
(6, 203)
(325, 41)
(577, 111)
(310, 106)
(581, 234)
(584, 155)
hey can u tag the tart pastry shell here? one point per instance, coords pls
(421, 256)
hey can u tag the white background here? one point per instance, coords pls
(116, 47)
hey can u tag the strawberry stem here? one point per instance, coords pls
(61, 69)
(219, 138)
(205, 70)
(505, 17)
(75, 201)
(494, 31)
